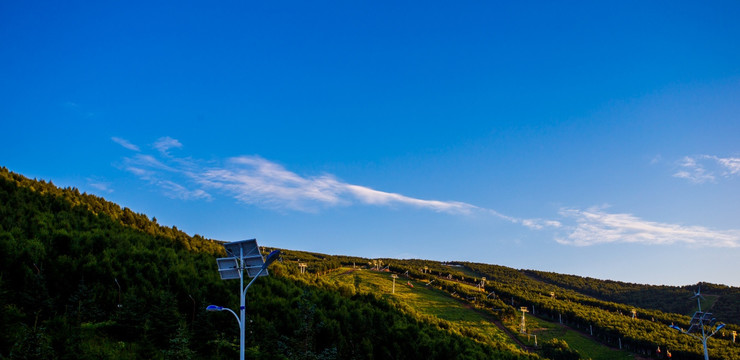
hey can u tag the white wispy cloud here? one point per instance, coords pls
(258, 181)
(539, 224)
(706, 168)
(731, 166)
(125, 143)
(254, 180)
(595, 226)
(100, 185)
(177, 191)
(164, 144)
(375, 197)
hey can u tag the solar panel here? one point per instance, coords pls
(248, 247)
(698, 320)
(253, 265)
(228, 268)
(251, 258)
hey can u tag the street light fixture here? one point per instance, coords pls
(698, 322)
(221, 308)
(244, 255)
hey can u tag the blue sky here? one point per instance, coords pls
(589, 138)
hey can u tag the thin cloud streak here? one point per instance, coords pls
(177, 191)
(100, 185)
(125, 143)
(706, 168)
(595, 226)
(375, 197)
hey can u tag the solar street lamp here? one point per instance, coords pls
(699, 321)
(244, 256)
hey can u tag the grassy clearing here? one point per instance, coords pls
(706, 303)
(422, 299)
(545, 331)
(433, 302)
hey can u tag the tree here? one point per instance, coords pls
(556, 349)
(180, 346)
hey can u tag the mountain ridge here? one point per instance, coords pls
(74, 263)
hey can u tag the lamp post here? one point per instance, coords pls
(119, 292)
(245, 255)
(698, 322)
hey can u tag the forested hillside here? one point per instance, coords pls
(664, 298)
(83, 278)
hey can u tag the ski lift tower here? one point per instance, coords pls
(244, 256)
(523, 325)
(701, 322)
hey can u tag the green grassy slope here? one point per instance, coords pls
(424, 300)
(433, 302)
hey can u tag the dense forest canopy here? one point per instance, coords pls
(81, 277)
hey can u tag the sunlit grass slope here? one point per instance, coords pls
(422, 299)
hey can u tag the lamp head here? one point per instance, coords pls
(214, 308)
(271, 257)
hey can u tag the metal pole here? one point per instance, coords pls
(241, 303)
(704, 341)
(242, 323)
(119, 291)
